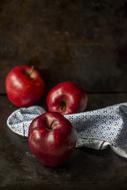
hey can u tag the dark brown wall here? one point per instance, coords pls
(79, 40)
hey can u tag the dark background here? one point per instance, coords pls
(80, 40)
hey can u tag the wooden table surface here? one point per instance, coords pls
(83, 41)
(87, 169)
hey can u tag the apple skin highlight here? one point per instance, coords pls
(66, 98)
(24, 86)
(52, 139)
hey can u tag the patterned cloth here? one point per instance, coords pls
(96, 129)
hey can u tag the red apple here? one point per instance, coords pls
(51, 138)
(66, 98)
(24, 86)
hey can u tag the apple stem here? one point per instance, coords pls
(31, 70)
(49, 126)
(63, 106)
(52, 124)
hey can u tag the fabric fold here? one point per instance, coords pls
(96, 129)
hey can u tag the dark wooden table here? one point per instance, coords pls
(83, 41)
